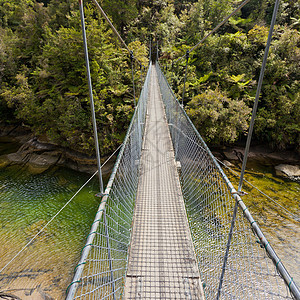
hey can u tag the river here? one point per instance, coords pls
(280, 228)
(27, 203)
(29, 200)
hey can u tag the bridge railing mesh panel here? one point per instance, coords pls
(249, 272)
(103, 268)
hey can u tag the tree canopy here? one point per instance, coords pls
(43, 77)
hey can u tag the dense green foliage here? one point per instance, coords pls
(43, 76)
(225, 69)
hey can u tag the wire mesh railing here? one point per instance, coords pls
(245, 267)
(100, 273)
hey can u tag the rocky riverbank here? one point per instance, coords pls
(285, 163)
(39, 155)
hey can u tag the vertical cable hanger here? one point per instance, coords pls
(150, 50)
(187, 55)
(141, 77)
(131, 58)
(96, 138)
(259, 85)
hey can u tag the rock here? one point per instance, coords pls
(230, 155)
(228, 163)
(284, 156)
(291, 171)
(43, 160)
(14, 130)
(39, 157)
(15, 157)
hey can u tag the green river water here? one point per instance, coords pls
(28, 201)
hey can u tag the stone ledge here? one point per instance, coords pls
(290, 171)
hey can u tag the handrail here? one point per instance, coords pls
(263, 240)
(86, 249)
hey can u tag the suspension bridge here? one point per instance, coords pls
(142, 245)
(170, 224)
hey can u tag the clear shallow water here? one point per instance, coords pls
(27, 203)
(281, 229)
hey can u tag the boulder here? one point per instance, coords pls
(230, 155)
(290, 171)
(228, 163)
(43, 160)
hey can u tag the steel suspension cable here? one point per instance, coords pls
(259, 85)
(113, 28)
(215, 29)
(248, 145)
(187, 55)
(132, 57)
(132, 73)
(86, 54)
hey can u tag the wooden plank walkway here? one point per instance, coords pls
(162, 262)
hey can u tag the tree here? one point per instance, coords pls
(53, 99)
(218, 118)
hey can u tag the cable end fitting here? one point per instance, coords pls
(240, 193)
(100, 195)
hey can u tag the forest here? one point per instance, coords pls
(43, 82)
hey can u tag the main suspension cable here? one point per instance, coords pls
(247, 148)
(259, 85)
(114, 29)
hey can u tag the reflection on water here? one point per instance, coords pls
(282, 230)
(27, 203)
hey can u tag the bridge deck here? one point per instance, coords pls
(162, 262)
